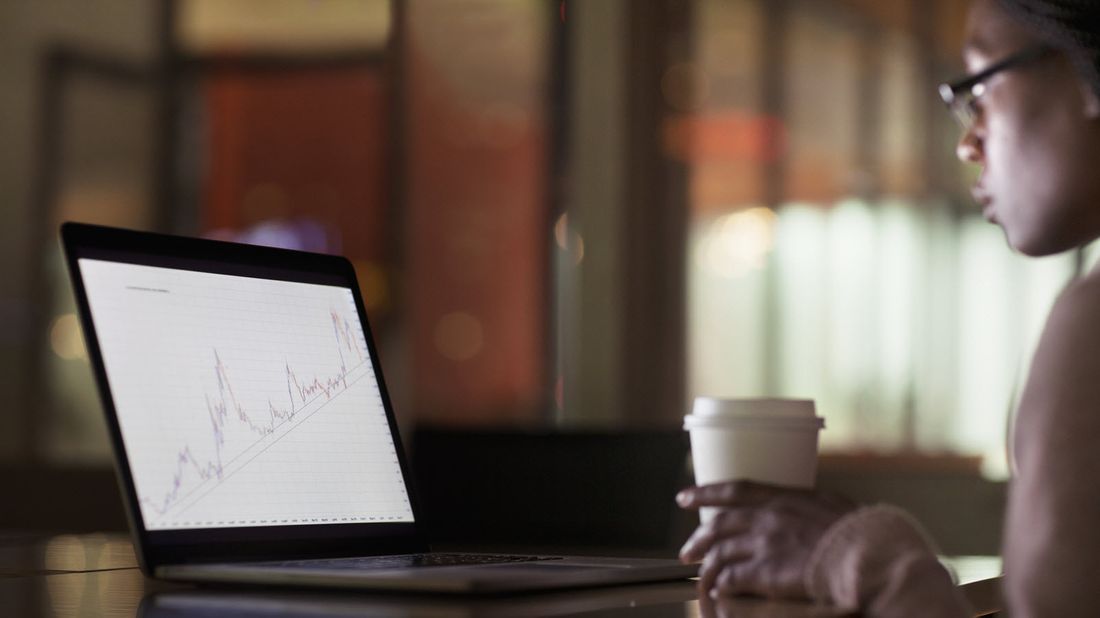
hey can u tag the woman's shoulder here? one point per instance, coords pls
(1076, 313)
(1063, 388)
(1088, 282)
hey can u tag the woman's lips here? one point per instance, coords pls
(983, 199)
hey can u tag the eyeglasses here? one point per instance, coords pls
(961, 96)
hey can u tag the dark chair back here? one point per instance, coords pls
(564, 489)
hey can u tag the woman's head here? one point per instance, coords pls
(1036, 130)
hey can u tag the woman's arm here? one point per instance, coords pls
(1052, 532)
(794, 543)
(878, 561)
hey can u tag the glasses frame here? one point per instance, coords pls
(959, 95)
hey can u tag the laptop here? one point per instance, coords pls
(253, 436)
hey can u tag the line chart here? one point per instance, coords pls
(243, 401)
(219, 411)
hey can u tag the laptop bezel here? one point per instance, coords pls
(162, 547)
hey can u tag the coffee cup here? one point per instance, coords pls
(770, 441)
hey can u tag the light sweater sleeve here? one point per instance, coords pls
(877, 561)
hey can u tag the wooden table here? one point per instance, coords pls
(97, 575)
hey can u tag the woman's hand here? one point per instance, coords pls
(761, 539)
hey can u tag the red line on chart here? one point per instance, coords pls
(344, 334)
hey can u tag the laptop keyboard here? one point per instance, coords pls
(407, 561)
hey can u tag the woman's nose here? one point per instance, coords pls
(969, 149)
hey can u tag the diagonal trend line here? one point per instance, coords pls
(226, 477)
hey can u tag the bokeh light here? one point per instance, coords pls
(738, 243)
(66, 338)
(459, 336)
(569, 240)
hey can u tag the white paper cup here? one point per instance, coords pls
(766, 440)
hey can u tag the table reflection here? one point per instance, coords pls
(667, 599)
(749, 607)
(64, 553)
(94, 575)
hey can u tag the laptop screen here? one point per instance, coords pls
(243, 401)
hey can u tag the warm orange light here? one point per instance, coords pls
(66, 339)
(729, 136)
(569, 240)
(459, 336)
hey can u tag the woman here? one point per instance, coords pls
(1031, 116)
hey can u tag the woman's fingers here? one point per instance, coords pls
(726, 523)
(738, 578)
(732, 493)
(724, 555)
(761, 538)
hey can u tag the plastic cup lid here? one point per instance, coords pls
(753, 407)
(789, 423)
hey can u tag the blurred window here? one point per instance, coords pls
(411, 137)
(857, 277)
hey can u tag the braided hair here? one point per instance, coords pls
(1071, 26)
